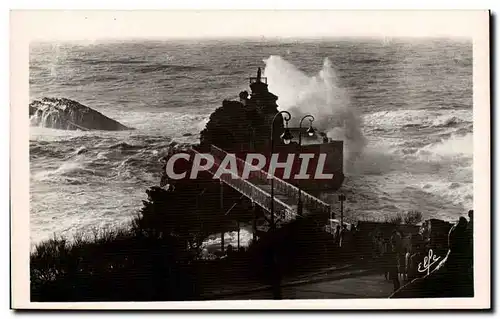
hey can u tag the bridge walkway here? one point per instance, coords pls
(257, 188)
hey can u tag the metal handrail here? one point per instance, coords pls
(309, 201)
(253, 192)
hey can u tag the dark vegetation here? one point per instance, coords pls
(151, 259)
(411, 217)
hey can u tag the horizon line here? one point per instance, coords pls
(375, 38)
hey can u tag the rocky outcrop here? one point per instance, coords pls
(245, 124)
(66, 114)
(229, 126)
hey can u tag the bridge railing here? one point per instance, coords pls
(282, 211)
(310, 202)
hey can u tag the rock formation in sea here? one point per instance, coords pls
(66, 114)
(245, 124)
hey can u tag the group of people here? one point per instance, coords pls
(454, 274)
(405, 257)
(399, 256)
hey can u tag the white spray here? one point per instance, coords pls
(321, 97)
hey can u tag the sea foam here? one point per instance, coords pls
(321, 96)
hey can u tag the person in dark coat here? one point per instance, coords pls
(337, 236)
(392, 260)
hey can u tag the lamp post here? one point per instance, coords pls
(310, 132)
(287, 138)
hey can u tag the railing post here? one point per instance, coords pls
(342, 198)
(254, 222)
(238, 222)
(222, 214)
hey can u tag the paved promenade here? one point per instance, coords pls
(339, 284)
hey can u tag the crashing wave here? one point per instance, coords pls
(447, 121)
(322, 96)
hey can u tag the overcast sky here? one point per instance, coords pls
(94, 25)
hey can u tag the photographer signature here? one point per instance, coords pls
(429, 260)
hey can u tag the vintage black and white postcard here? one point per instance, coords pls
(250, 159)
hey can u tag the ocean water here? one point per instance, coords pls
(402, 106)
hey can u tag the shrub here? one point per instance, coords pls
(394, 219)
(109, 265)
(413, 217)
(155, 253)
(117, 263)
